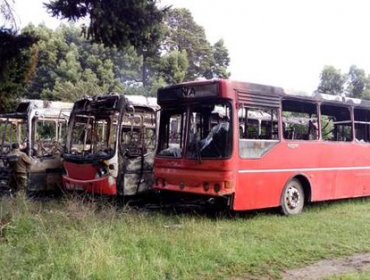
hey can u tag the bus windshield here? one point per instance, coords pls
(196, 131)
(93, 134)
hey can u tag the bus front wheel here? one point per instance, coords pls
(292, 199)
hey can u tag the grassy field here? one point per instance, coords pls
(68, 239)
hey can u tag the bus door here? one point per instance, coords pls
(137, 140)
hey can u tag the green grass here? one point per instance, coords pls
(69, 239)
(352, 276)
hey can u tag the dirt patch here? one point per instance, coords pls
(328, 268)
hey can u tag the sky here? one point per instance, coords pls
(277, 42)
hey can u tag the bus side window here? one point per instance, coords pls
(258, 131)
(258, 123)
(362, 125)
(172, 127)
(336, 123)
(300, 121)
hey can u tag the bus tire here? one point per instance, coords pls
(292, 198)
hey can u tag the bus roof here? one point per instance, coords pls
(256, 90)
(43, 108)
(140, 100)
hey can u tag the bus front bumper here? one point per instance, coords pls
(103, 186)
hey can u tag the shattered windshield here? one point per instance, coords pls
(201, 131)
(93, 134)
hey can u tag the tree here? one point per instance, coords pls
(7, 13)
(221, 61)
(120, 23)
(67, 67)
(331, 81)
(50, 50)
(366, 93)
(14, 67)
(14, 61)
(173, 67)
(357, 82)
(184, 34)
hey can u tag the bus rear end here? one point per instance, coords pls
(195, 144)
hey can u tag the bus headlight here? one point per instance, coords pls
(101, 172)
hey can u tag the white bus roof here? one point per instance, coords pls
(140, 100)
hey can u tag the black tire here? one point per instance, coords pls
(292, 198)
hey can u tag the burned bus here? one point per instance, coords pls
(110, 145)
(39, 127)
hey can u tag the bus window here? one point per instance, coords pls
(93, 135)
(132, 134)
(172, 133)
(210, 134)
(12, 131)
(362, 125)
(149, 138)
(44, 135)
(258, 131)
(300, 121)
(62, 132)
(336, 124)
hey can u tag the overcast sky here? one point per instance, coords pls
(279, 42)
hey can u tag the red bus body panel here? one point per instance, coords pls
(333, 170)
(81, 177)
(190, 176)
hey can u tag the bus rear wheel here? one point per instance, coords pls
(292, 198)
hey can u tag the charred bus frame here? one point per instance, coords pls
(110, 147)
(39, 128)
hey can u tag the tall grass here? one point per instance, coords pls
(70, 239)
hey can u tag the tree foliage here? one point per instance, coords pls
(173, 67)
(14, 67)
(355, 83)
(358, 83)
(184, 34)
(7, 14)
(120, 23)
(69, 67)
(63, 64)
(331, 81)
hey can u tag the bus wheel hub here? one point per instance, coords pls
(293, 197)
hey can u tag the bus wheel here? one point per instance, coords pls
(292, 199)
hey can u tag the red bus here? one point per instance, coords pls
(256, 146)
(110, 145)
